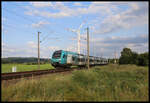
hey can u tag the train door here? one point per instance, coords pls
(69, 59)
(64, 58)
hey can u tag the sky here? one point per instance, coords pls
(112, 27)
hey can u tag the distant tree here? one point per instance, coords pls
(126, 56)
(134, 58)
(143, 59)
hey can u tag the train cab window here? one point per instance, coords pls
(57, 54)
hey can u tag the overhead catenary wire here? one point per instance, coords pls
(15, 28)
(22, 16)
(25, 18)
(44, 38)
(9, 26)
(47, 38)
(12, 12)
(17, 14)
(18, 4)
(34, 35)
(56, 39)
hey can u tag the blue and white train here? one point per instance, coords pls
(63, 58)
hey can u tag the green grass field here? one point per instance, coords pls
(101, 83)
(24, 67)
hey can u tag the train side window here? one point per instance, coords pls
(63, 56)
(78, 59)
(82, 59)
(73, 58)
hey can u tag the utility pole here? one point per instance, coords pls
(88, 47)
(39, 50)
(101, 55)
(115, 57)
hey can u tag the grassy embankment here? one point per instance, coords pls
(24, 67)
(102, 83)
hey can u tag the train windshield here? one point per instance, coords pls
(56, 54)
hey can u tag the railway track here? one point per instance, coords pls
(16, 75)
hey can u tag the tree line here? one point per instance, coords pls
(130, 57)
(127, 57)
(24, 60)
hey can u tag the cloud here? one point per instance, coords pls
(29, 50)
(10, 51)
(31, 44)
(39, 24)
(41, 4)
(57, 6)
(47, 14)
(124, 40)
(98, 46)
(74, 38)
(110, 44)
(53, 48)
(3, 19)
(72, 47)
(136, 15)
(65, 11)
(77, 4)
(4, 27)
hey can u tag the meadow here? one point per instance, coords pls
(100, 83)
(24, 67)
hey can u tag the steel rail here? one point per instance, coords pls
(15, 75)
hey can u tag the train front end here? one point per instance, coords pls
(58, 59)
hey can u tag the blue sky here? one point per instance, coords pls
(112, 26)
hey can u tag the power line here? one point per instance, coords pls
(15, 28)
(17, 14)
(26, 19)
(51, 39)
(10, 26)
(45, 37)
(12, 12)
(42, 18)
